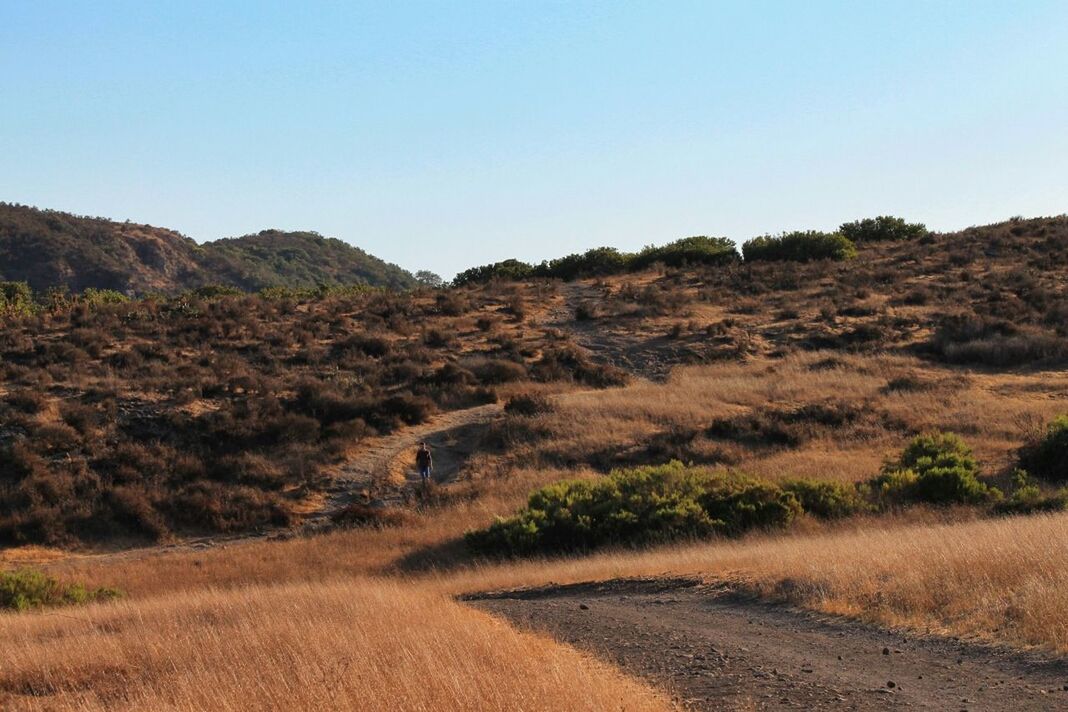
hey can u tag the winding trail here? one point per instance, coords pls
(382, 470)
(714, 649)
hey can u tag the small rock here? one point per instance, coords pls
(583, 607)
(886, 651)
(891, 684)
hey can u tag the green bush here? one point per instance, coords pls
(1027, 498)
(598, 262)
(882, 229)
(935, 468)
(827, 500)
(1048, 457)
(698, 249)
(24, 589)
(16, 299)
(99, 297)
(512, 270)
(799, 246)
(605, 261)
(642, 505)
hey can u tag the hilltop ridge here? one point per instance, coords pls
(48, 248)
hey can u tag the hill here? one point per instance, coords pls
(296, 259)
(853, 426)
(229, 412)
(48, 248)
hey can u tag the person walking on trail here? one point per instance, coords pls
(424, 462)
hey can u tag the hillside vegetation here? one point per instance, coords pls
(49, 249)
(880, 437)
(216, 411)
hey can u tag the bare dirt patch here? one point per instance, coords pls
(713, 649)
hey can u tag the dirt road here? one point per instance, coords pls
(715, 650)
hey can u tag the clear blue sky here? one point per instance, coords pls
(445, 134)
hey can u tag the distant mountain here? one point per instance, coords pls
(49, 248)
(301, 259)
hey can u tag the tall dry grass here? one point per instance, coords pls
(356, 644)
(299, 624)
(994, 412)
(999, 579)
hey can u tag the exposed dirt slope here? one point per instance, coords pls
(715, 650)
(643, 354)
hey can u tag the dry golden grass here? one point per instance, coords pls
(356, 644)
(993, 412)
(999, 579)
(273, 624)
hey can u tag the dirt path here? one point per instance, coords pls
(715, 650)
(383, 469)
(644, 355)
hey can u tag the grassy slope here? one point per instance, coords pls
(1002, 579)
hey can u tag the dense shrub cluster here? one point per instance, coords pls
(1028, 498)
(936, 468)
(604, 261)
(987, 340)
(882, 229)
(654, 504)
(799, 246)
(637, 506)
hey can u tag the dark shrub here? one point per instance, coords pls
(508, 270)
(498, 371)
(993, 341)
(368, 345)
(881, 229)
(597, 262)
(1027, 498)
(687, 251)
(566, 361)
(27, 401)
(528, 404)
(1047, 457)
(411, 410)
(799, 247)
(224, 508)
(366, 515)
(438, 338)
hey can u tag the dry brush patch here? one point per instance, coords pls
(355, 644)
(819, 414)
